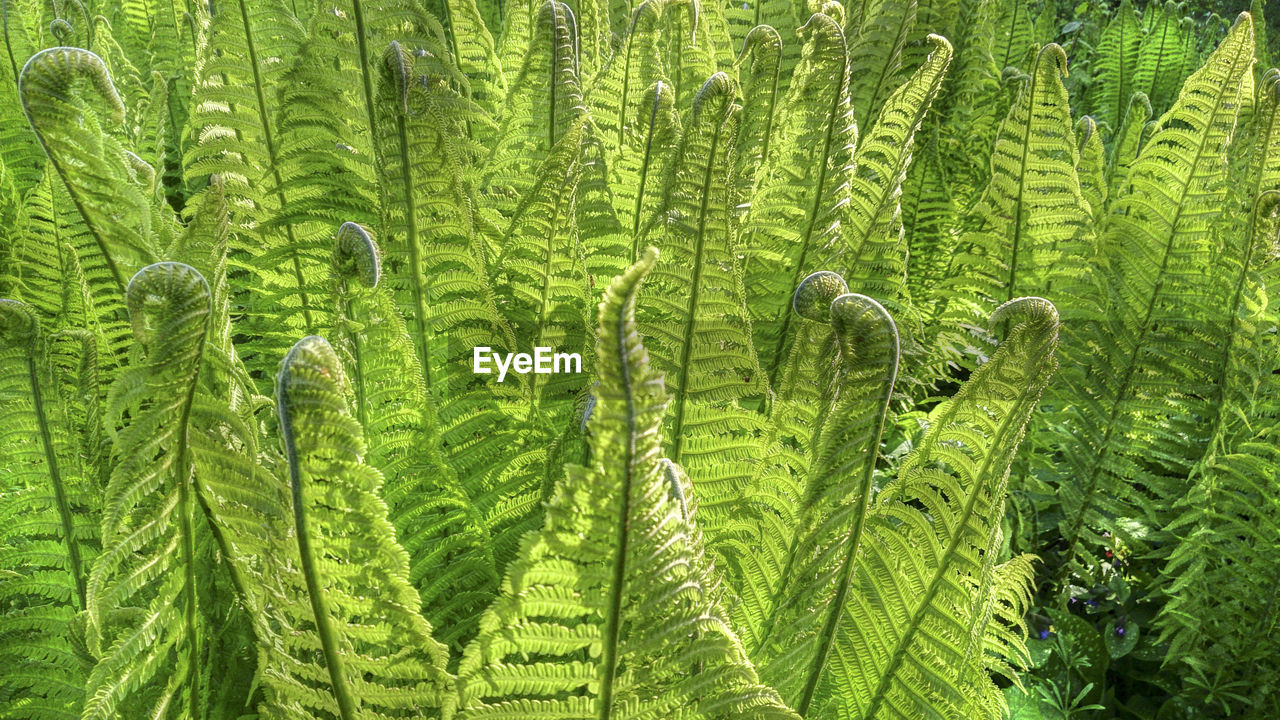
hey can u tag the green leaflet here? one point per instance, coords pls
(47, 537)
(804, 193)
(938, 513)
(143, 605)
(613, 593)
(380, 641)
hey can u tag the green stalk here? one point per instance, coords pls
(269, 141)
(59, 488)
(315, 590)
(613, 620)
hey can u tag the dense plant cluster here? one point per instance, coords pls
(929, 361)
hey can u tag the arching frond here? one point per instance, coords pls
(929, 542)
(144, 611)
(696, 317)
(611, 611)
(48, 538)
(802, 200)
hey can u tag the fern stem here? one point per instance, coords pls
(644, 171)
(415, 253)
(8, 42)
(677, 425)
(613, 620)
(366, 74)
(269, 140)
(186, 478)
(315, 591)
(59, 489)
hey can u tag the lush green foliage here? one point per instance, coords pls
(929, 360)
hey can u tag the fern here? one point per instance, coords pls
(143, 592)
(613, 592)
(939, 512)
(698, 320)
(1032, 223)
(1159, 243)
(378, 652)
(449, 561)
(1118, 54)
(48, 540)
(804, 193)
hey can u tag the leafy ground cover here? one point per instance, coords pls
(929, 368)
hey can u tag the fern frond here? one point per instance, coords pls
(761, 62)
(1091, 167)
(929, 541)
(697, 318)
(756, 546)
(1115, 66)
(794, 644)
(47, 539)
(875, 54)
(143, 607)
(1136, 406)
(1032, 224)
(377, 650)
(435, 265)
(611, 612)
(802, 201)
(871, 249)
(544, 102)
(450, 562)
